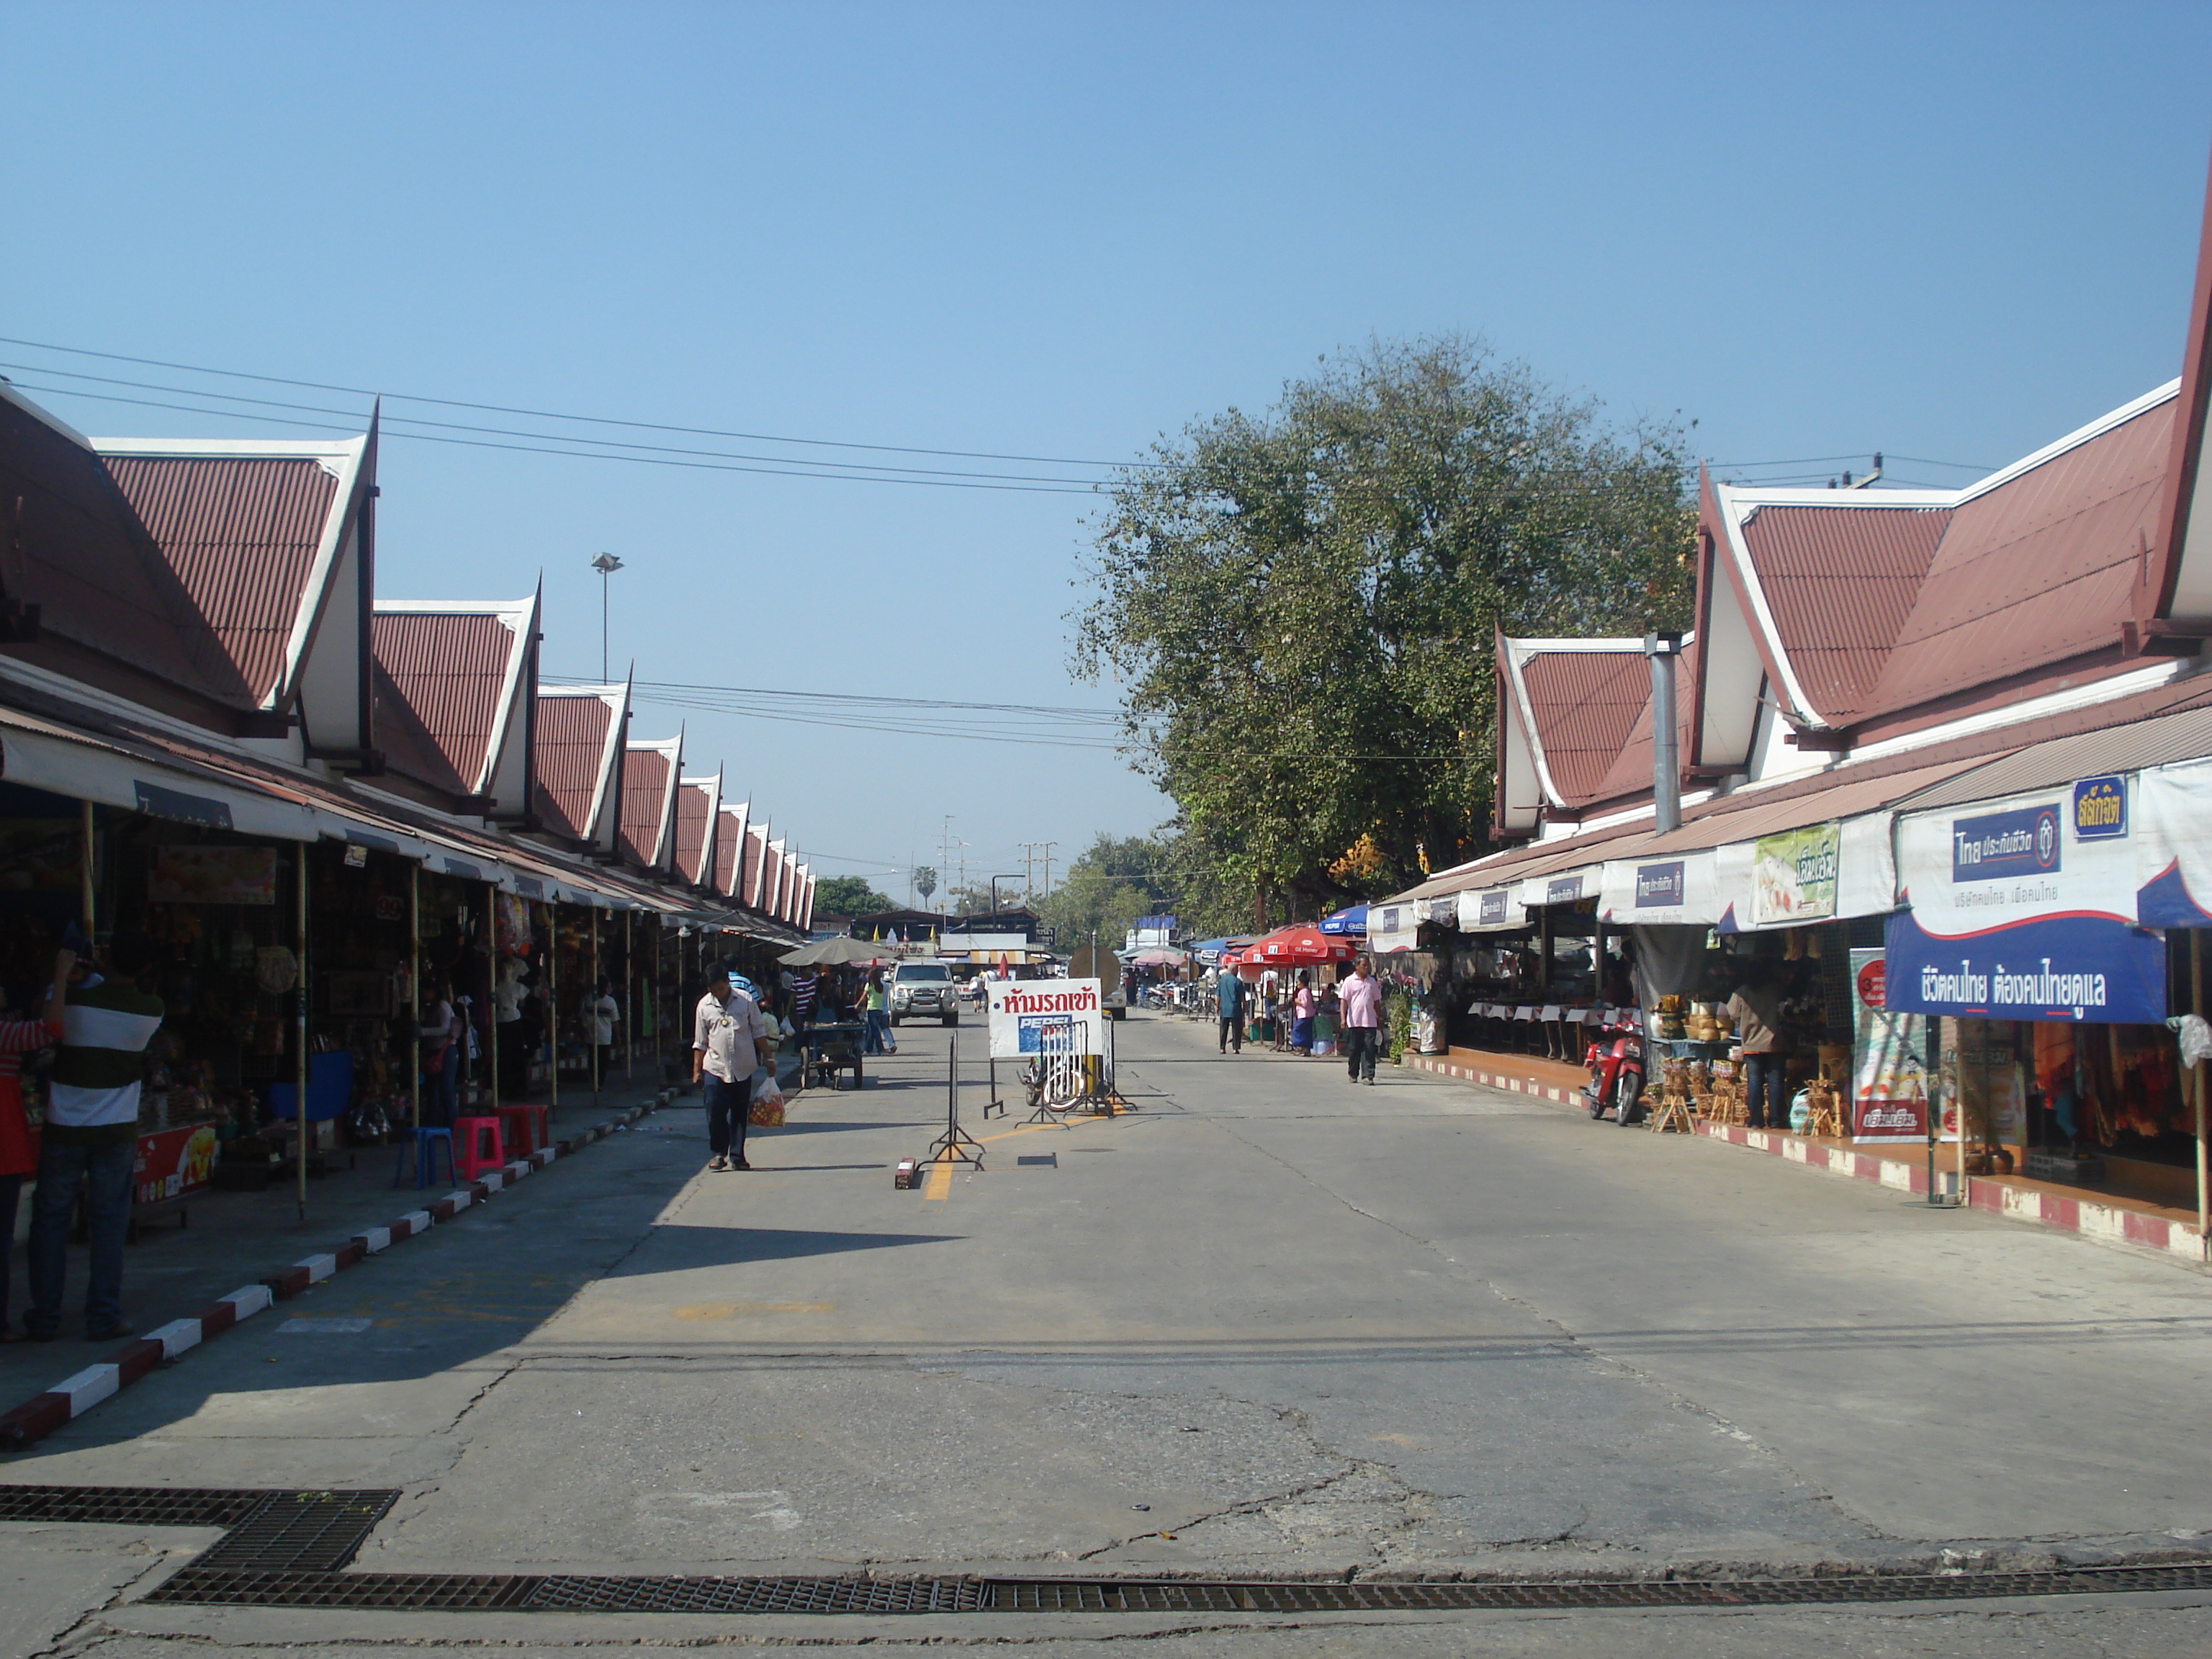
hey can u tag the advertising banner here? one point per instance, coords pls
(1889, 1061)
(1660, 891)
(213, 875)
(1793, 875)
(171, 1163)
(1491, 911)
(1021, 1011)
(2174, 846)
(2016, 914)
(1392, 928)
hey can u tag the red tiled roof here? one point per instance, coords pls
(241, 532)
(439, 678)
(727, 851)
(645, 791)
(1629, 777)
(2040, 568)
(1840, 581)
(82, 556)
(747, 876)
(1585, 704)
(571, 742)
(691, 806)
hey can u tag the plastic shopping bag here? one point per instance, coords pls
(767, 1109)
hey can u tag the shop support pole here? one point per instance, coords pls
(591, 1017)
(629, 999)
(85, 884)
(299, 994)
(2196, 1003)
(552, 1009)
(415, 994)
(491, 982)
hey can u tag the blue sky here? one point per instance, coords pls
(1953, 232)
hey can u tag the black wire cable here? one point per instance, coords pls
(555, 414)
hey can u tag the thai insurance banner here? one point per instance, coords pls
(1889, 1067)
(1023, 1010)
(2023, 910)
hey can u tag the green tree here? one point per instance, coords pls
(848, 896)
(1301, 606)
(1108, 886)
(925, 881)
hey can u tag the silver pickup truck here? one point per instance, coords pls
(924, 990)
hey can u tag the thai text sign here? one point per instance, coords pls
(2100, 808)
(1023, 1010)
(1889, 1070)
(1658, 884)
(1793, 875)
(2014, 914)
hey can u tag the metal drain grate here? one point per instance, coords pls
(285, 1549)
(300, 1532)
(398, 1592)
(756, 1595)
(144, 1506)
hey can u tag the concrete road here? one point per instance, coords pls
(1269, 1324)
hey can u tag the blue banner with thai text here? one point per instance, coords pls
(2095, 968)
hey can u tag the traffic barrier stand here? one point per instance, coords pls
(956, 1144)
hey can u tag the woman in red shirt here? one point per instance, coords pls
(18, 1157)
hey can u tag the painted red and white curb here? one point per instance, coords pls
(2110, 1224)
(1505, 1080)
(70, 1398)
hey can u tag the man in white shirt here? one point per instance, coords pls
(729, 1041)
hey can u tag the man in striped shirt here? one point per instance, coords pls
(92, 1135)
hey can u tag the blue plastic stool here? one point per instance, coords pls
(426, 1144)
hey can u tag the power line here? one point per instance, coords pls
(555, 414)
(576, 454)
(508, 432)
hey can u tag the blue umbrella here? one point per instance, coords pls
(1351, 919)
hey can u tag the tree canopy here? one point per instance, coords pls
(1301, 606)
(848, 896)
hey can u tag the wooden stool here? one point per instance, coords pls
(1672, 1116)
(1824, 1110)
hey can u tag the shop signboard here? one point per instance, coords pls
(1889, 1068)
(213, 875)
(1793, 875)
(1022, 1011)
(1659, 892)
(2012, 913)
(171, 1163)
(1392, 928)
(1489, 911)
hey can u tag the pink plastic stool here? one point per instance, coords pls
(471, 1136)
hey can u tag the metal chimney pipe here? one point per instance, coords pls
(1666, 760)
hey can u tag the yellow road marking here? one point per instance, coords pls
(936, 1186)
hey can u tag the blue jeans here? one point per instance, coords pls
(879, 1032)
(1764, 1104)
(729, 1107)
(105, 1172)
(441, 1090)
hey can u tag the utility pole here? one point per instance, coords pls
(1030, 859)
(1048, 847)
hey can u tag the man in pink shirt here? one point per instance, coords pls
(1360, 1016)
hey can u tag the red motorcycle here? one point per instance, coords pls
(1616, 1068)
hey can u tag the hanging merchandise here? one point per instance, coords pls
(514, 929)
(275, 970)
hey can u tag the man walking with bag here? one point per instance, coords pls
(729, 1040)
(1360, 1016)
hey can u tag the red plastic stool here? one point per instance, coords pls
(527, 1128)
(471, 1135)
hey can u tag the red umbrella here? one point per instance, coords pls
(1298, 945)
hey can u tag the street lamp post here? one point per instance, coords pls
(606, 564)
